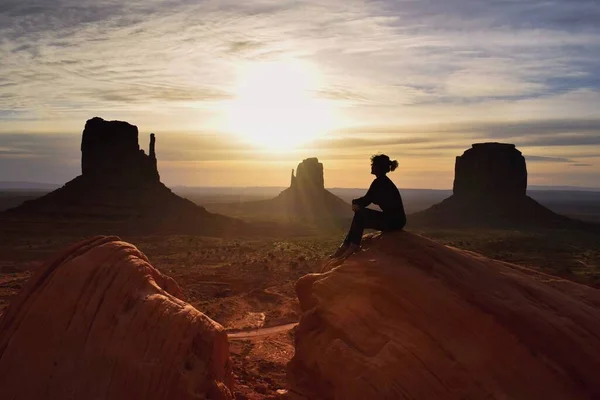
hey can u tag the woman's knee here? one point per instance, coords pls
(397, 225)
(360, 213)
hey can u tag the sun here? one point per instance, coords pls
(275, 106)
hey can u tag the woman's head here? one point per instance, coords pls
(381, 164)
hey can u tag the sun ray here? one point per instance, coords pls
(275, 106)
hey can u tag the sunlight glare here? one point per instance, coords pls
(275, 107)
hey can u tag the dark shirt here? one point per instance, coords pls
(385, 194)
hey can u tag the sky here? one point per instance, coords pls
(238, 93)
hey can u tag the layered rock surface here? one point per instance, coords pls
(411, 319)
(490, 183)
(99, 322)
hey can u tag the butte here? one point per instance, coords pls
(120, 184)
(305, 200)
(490, 184)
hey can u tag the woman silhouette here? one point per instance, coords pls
(383, 193)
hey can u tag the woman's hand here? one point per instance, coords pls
(355, 207)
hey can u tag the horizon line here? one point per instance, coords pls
(558, 187)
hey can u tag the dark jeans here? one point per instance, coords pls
(365, 218)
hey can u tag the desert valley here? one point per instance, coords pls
(116, 282)
(299, 200)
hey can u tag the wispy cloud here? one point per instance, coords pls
(417, 77)
(548, 159)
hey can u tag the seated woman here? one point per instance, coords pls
(383, 193)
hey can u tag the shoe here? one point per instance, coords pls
(341, 250)
(353, 248)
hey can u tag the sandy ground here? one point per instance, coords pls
(259, 364)
(248, 284)
(244, 285)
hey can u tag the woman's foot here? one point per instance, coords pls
(353, 248)
(341, 250)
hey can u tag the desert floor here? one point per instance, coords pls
(248, 284)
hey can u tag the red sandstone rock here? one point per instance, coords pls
(309, 176)
(120, 185)
(306, 200)
(99, 322)
(110, 151)
(411, 319)
(490, 183)
(490, 169)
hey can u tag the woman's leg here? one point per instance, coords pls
(356, 228)
(365, 218)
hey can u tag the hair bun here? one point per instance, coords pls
(393, 165)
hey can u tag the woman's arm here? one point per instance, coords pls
(366, 199)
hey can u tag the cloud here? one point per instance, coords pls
(40, 145)
(244, 46)
(564, 132)
(353, 142)
(592, 139)
(387, 53)
(424, 77)
(548, 159)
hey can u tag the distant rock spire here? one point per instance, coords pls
(152, 146)
(309, 176)
(293, 181)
